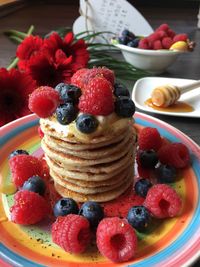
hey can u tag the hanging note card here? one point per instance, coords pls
(110, 15)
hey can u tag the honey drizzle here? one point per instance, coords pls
(179, 106)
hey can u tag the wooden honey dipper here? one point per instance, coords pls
(167, 95)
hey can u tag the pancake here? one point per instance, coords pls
(73, 160)
(86, 176)
(82, 146)
(92, 184)
(89, 190)
(72, 135)
(99, 197)
(106, 168)
(94, 153)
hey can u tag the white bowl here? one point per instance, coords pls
(153, 61)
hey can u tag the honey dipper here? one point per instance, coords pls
(167, 95)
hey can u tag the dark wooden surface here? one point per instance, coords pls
(47, 17)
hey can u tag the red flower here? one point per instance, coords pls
(48, 71)
(70, 47)
(29, 47)
(15, 88)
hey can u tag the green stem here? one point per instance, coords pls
(14, 62)
(16, 39)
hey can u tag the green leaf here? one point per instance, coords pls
(61, 31)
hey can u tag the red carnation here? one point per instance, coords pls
(29, 47)
(52, 60)
(48, 71)
(76, 49)
(15, 88)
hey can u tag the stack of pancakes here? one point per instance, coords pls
(98, 169)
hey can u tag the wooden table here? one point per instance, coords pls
(52, 16)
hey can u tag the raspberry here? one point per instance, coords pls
(163, 201)
(23, 167)
(78, 78)
(44, 101)
(180, 37)
(175, 154)
(116, 239)
(157, 45)
(171, 33)
(149, 138)
(102, 72)
(144, 44)
(40, 132)
(71, 232)
(167, 42)
(153, 37)
(82, 77)
(161, 34)
(97, 99)
(163, 27)
(29, 208)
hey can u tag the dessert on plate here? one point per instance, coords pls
(91, 154)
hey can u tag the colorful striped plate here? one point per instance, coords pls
(172, 242)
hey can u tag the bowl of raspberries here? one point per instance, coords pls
(153, 53)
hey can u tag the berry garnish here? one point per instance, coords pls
(139, 217)
(40, 132)
(86, 123)
(68, 92)
(29, 208)
(93, 212)
(134, 42)
(18, 152)
(72, 233)
(35, 184)
(66, 113)
(124, 107)
(116, 239)
(174, 154)
(78, 78)
(142, 186)
(165, 173)
(65, 206)
(44, 101)
(97, 98)
(23, 167)
(148, 158)
(149, 138)
(100, 72)
(163, 201)
(121, 90)
(180, 37)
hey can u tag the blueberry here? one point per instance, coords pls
(128, 34)
(68, 92)
(165, 173)
(134, 42)
(121, 90)
(139, 217)
(18, 152)
(124, 107)
(93, 212)
(142, 186)
(125, 32)
(66, 113)
(148, 158)
(35, 184)
(65, 206)
(86, 123)
(123, 40)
